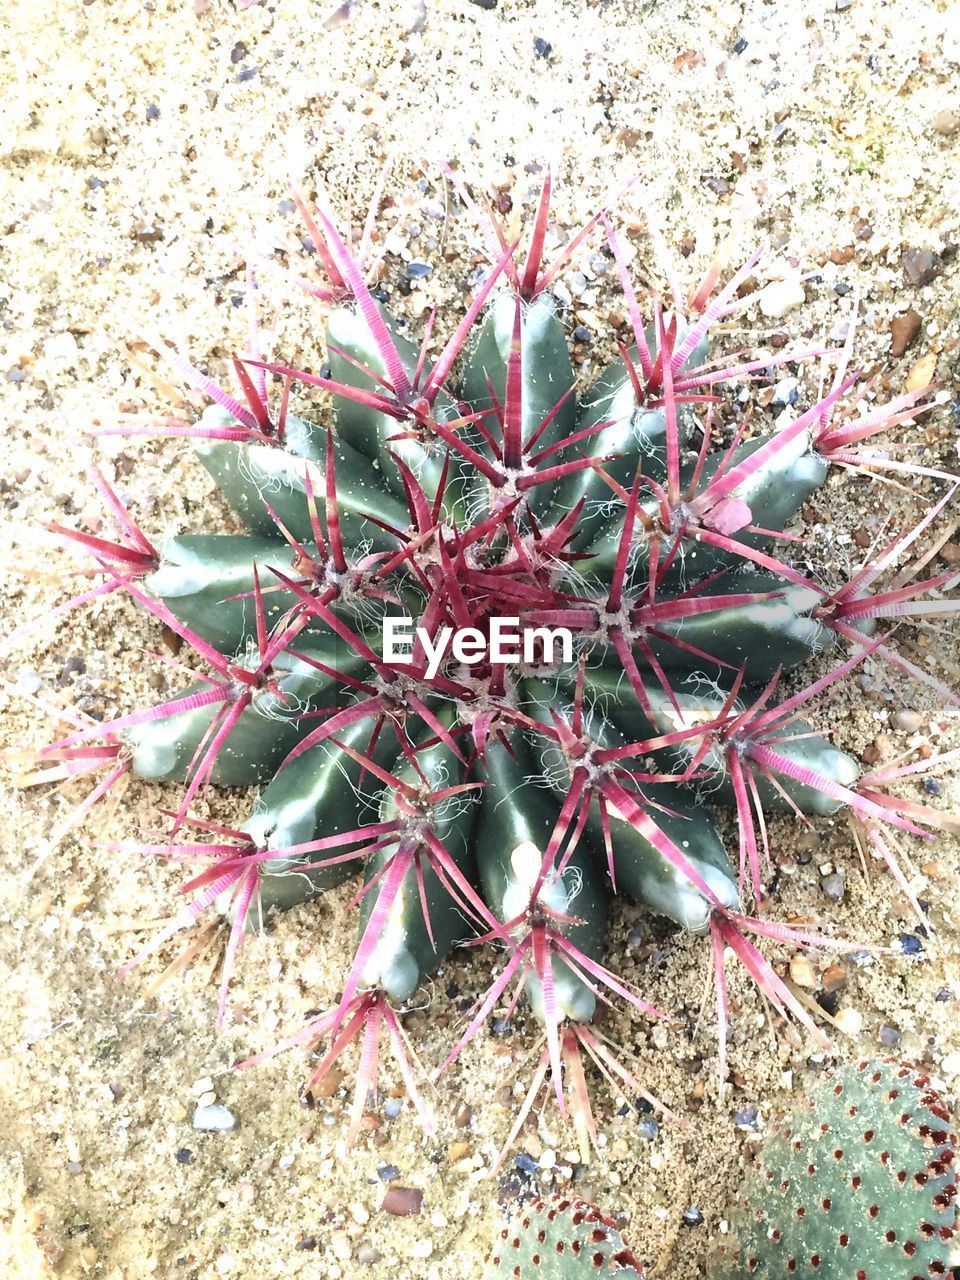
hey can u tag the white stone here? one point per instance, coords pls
(781, 296)
(215, 1118)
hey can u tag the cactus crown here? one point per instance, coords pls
(856, 1181)
(504, 801)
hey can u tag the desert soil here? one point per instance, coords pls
(148, 151)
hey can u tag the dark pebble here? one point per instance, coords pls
(525, 1163)
(453, 991)
(387, 1172)
(307, 1243)
(93, 183)
(740, 45)
(286, 207)
(403, 1202)
(692, 1217)
(910, 944)
(841, 289)
(184, 1156)
(943, 995)
(485, 4)
(778, 340)
(747, 1117)
(417, 270)
(74, 666)
(153, 111)
(248, 73)
(542, 48)
(889, 1035)
(648, 1129)
(920, 266)
(501, 1026)
(238, 52)
(582, 334)
(931, 786)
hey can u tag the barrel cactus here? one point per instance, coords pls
(601, 604)
(857, 1179)
(561, 1238)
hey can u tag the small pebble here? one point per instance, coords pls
(367, 1255)
(920, 266)
(903, 329)
(907, 721)
(525, 1163)
(946, 122)
(802, 972)
(781, 296)
(849, 1021)
(921, 375)
(951, 1064)
(393, 1107)
(910, 944)
(542, 48)
(403, 1202)
(833, 886)
(548, 1158)
(692, 1217)
(787, 391)
(889, 1035)
(184, 1156)
(582, 334)
(214, 1118)
(387, 1172)
(834, 979)
(648, 1129)
(485, 4)
(306, 1243)
(931, 786)
(417, 270)
(747, 1117)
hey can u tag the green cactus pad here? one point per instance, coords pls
(561, 1239)
(856, 1182)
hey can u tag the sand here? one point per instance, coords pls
(148, 151)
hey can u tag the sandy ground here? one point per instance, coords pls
(148, 150)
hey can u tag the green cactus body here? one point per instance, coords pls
(560, 1239)
(367, 430)
(407, 950)
(774, 494)
(857, 1181)
(547, 371)
(776, 633)
(255, 478)
(640, 871)
(635, 434)
(199, 573)
(460, 528)
(163, 750)
(797, 743)
(322, 793)
(512, 836)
